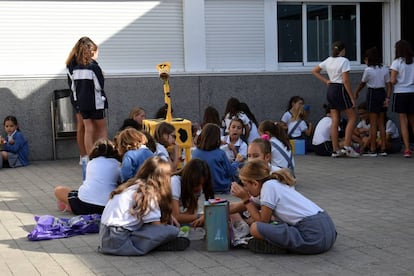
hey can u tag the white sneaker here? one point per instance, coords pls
(84, 159)
(382, 153)
(350, 152)
(338, 153)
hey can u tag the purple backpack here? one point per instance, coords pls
(50, 227)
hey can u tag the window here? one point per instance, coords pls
(289, 26)
(306, 32)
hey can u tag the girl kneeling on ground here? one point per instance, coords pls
(301, 226)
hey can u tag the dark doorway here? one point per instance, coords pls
(407, 21)
(371, 27)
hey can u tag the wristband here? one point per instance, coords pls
(198, 215)
(247, 201)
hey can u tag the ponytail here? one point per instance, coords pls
(283, 175)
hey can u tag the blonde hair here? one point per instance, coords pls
(129, 139)
(135, 112)
(298, 114)
(259, 171)
(82, 52)
(154, 184)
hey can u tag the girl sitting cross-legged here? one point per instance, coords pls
(137, 218)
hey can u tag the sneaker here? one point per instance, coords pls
(370, 154)
(83, 159)
(264, 247)
(177, 244)
(338, 153)
(350, 152)
(197, 233)
(407, 153)
(382, 153)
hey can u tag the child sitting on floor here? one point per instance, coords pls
(300, 227)
(137, 218)
(102, 176)
(14, 150)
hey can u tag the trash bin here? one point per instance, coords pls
(65, 113)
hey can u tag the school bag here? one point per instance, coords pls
(49, 227)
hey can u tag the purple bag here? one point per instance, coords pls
(50, 227)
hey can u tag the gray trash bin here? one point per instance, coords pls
(65, 113)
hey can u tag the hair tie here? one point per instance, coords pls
(265, 137)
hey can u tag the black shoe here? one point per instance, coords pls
(177, 244)
(264, 247)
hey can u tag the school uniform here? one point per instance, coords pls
(376, 78)
(278, 159)
(102, 177)
(132, 161)
(222, 171)
(254, 132)
(337, 95)
(89, 95)
(297, 132)
(403, 101)
(286, 117)
(392, 130)
(162, 152)
(240, 145)
(69, 74)
(122, 233)
(18, 152)
(303, 227)
(227, 120)
(321, 141)
(176, 191)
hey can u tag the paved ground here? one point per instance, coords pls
(370, 200)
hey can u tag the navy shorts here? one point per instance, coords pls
(82, 208)
(324, 149)
(403, 103)
(375, 100)
(337, 97)
(93, 114)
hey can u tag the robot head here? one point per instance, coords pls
(164, 70)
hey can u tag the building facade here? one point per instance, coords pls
(261, 51)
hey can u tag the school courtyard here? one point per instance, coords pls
(371, 200)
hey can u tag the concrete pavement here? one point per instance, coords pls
(370, 200)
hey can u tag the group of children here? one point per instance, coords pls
(371, 135)
(144, 196)
(134, 183)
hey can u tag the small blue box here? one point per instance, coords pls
(217, 224)
(299, 146)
